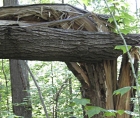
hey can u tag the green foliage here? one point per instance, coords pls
(122, 91)
(50, 77)
(110, 113)
(127, 22)
(82, 101)
(86, 2)
(120, 112)
(6, 114)
(46, 73)
(5, 90)
(123, 48)
(35, 1)
(93, 110)
(90, 110)
(46, 1)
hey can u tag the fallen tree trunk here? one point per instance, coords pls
(42, 43)
(25, 34)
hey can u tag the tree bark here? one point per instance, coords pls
(20, 87)
(126, 79)
(19, 82)
(42, 43)
(94, 87)
(99, 81)
(10, 2)
(97, 67)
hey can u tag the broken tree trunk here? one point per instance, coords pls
(42, 32)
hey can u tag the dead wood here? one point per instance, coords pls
(40, 43)
(29, 32)
(60, 32)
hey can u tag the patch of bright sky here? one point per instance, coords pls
(38, 1)
(133, 4)
(79, 3)
(24, 2)
(1, 2)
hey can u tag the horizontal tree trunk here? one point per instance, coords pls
(50, 44)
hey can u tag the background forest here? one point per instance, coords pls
(58, 86)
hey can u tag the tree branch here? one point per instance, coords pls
(38, 88)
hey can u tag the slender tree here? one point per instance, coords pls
(19, 82)
(10, 2)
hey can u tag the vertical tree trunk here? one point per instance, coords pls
(99, 80)
(10, 2)
(126, 79)
(93, 88)
(62, 1)
(19, 82)
(20, 87)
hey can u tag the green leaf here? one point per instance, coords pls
(126, 21)
(72, 104)
(127, 16)
(123, 48)
(125, 31)
(81, 101)
(112, 8)
(109, 113)
(86, 2)
(120, 112)
(68, 109)
(93, 110)
(122, 91)
(110, 19)
(12, 116)
(134, 87)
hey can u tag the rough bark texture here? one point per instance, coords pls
(20, 87)
(41, 43)
(96, 83)
(10, 2)
(126, 79)
(19, 82)
(30, 38)
(99, 81)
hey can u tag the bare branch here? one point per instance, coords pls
(38, 88)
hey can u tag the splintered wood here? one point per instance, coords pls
(54, 15)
